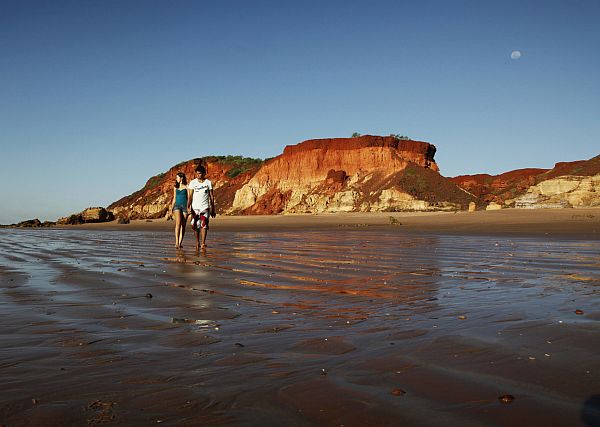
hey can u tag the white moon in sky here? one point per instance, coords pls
(515, 54)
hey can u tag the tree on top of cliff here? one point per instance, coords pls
(400, 137)
(356, 135)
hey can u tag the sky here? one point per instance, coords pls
(98, 96)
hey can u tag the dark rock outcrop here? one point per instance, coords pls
(89, 215)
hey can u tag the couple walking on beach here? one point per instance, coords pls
(197, 199)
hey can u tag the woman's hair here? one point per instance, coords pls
(183, 179)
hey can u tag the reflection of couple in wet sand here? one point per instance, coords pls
(198, 199)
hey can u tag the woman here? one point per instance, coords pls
(179, 207)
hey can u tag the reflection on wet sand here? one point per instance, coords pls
(328, 327)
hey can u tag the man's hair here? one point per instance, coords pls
(201, 169)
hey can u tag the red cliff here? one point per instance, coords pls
(367, 173)
(505, 188)
(349, 174)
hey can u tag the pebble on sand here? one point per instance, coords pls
(506, 398)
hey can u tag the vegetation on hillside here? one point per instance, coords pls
(240, 164)
(426, 184)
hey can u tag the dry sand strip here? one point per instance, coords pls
(580, 223)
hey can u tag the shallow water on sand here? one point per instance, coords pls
(328, 327)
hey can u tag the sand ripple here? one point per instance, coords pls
(295, 325)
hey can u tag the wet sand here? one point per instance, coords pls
(349, 324)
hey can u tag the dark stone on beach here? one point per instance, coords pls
(398, 392)
(122, 220)
(148, 295)
(239, 344)
(394, 221)
(578, 311)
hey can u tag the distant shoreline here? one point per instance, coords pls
(552, 222)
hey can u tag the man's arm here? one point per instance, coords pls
(213, 211)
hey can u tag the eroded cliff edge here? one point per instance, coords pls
(367, 173)
(363, 174)
(567, 185)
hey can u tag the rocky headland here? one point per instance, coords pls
(364, 174)
(359, 174)
(567, 185)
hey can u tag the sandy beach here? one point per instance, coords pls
(488, 318)
(547, 222)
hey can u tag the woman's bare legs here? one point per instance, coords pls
(182, 224)
(177, 215)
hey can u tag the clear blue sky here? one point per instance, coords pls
(97, 96)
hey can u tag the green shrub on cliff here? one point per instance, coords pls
(154, 181)
(239, 164)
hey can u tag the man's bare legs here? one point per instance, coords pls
(200, 238)
(204, 232)
(197, 234)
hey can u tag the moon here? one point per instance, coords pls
(515, 54)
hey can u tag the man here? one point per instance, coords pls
(201, 199)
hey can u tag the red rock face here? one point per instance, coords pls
(507, 186)
(311, 161)
(348, 174)
(498, 188)
(420, 153)
(578, 168)
(340, 174)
